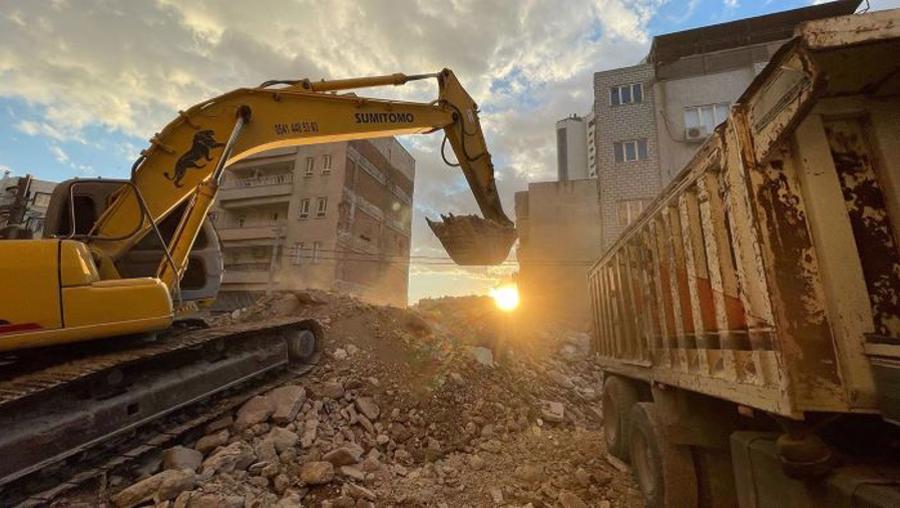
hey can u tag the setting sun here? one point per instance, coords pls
(506, 297)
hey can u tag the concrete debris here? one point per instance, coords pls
(482, 355)
(159, 487)
(407, 408)
(256, 410)
(179, 457)
(210, 442)
(368, 407)
(553, 411)
(345, 455)
(317, 473)
(286, 401)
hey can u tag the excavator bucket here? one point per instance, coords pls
(473, 241)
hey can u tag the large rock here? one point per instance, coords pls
(283, 439)
(256, 410)
(235, 457)
(317, 473)
(209, 443)
(368, 407)
(159, 487)
(482, 355)
(179, 457)
(287, 401)
(345, 455)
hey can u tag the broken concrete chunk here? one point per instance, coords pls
(159, 487)
(368, 407)
(317, 473)
(256, 410)
(553, 411)
(482, 355)
(179, 457)
(209, 443)
(283, 439)
(345, 455)
(287, 401)
(236, 456)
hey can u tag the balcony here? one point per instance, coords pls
(259, 189)
(250, 230)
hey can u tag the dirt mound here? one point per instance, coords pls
(444, 404)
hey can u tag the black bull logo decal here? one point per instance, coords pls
(200, 148)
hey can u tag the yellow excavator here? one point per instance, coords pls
(87, 280)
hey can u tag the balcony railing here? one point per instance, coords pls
(250, 224)
(258, 181)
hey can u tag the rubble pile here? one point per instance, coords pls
(406, 408)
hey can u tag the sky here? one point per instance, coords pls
(85, 83)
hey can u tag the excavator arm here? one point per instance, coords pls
(186, 160)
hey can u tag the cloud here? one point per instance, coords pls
(61, 156)
(129, 66)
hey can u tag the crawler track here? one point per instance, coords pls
(71, 411)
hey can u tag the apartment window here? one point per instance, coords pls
(632, 93)
(326, 164)
(699, 121)
(304, 208)
(297, 253)
(317, 248)
(321, 207)
(629, 210)
(310, 165)
(631, 150)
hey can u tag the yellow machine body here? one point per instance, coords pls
(56, 296)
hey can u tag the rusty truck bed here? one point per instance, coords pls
(767, 273)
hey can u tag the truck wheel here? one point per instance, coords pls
(664, 471)
(619, 395)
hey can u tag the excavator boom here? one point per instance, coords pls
(179, 165)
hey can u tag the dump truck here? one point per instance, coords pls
(748, 322)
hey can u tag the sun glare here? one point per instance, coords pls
(506, 297)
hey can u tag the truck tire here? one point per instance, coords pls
(619, 396)
(665, 471)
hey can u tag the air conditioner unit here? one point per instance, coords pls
(695, 133)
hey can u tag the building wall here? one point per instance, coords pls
(559, 238)
(36, 201)
(700, 80)
(621, 183)
(360, 244)
(571, 149)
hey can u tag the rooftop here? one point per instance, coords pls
(669, 48)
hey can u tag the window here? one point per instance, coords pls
(317, 248)
(631, 150)
(297, 253)
(632, 93)
(699, 121)
(629, 211)
(321, 206)
(326, 164)
(310, 165)
(304, 208)
(240, 221)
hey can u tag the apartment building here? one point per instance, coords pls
(650, 118)
(330, 216)
(558, 242)
(24, 201)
